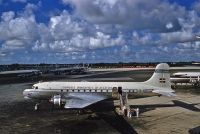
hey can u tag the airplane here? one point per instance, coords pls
(187, 74)
(186, 77)
(72, 70)
(20, 73)
(198, 36)
(78, 95)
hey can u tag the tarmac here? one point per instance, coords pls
(174, 115)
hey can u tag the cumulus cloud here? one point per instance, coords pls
(144, 38)
(120, 29)
(29, 9)
(196, 6)
(154, 15)
(64, 26)
(7, 16)
(190, 24)
(17, 32)
(191, 45)
(67, 34)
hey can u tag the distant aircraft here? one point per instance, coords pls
(187, 74)
(71, 70)
(186, 77)
(198, 36)
(20, 73)
(79, 95)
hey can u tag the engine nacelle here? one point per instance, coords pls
(57, 100)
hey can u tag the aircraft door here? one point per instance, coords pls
(115, 92)
(120, 90)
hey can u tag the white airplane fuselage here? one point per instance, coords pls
(186, 77)
(46, 90)
(187, 74)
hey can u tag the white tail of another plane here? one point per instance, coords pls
(161, 77)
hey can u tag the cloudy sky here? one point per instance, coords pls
(88, 31)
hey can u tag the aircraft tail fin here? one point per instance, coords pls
(161, 77)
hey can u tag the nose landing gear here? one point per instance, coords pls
(36, 106)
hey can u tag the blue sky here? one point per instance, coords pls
(90, 31)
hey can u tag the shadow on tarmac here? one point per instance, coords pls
(117, 122)
(105, 110)
(195, 130)
(145, 108)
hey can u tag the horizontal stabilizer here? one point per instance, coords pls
(165, 93)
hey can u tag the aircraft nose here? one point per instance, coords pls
(25, 94)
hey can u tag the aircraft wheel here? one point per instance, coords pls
(198, 84)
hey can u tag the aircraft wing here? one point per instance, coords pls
(164, 92)
(82, 100)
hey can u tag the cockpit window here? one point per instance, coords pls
(35, 87)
